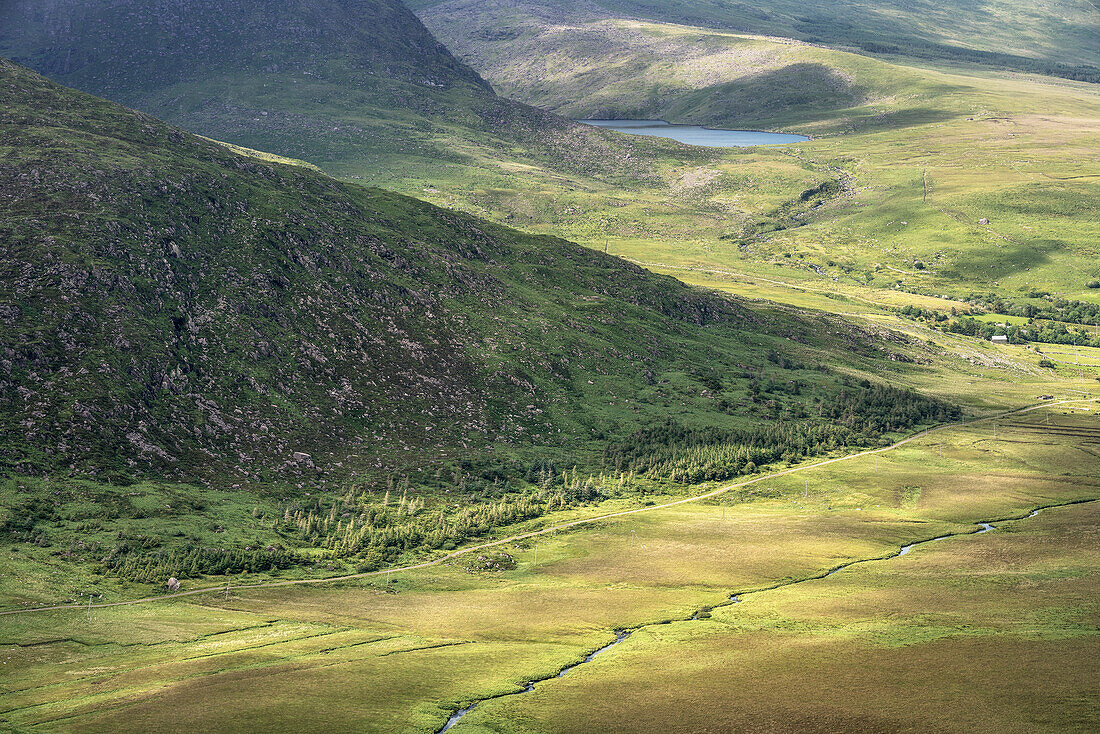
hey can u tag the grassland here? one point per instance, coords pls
(997, 630)
(398, 654)
(909, 155)
(918, 155)
(1059, 32)
(883, 208)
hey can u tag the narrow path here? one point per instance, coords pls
(534, 533)
(738, 596)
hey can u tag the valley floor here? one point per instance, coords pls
(997, 629)
(778, 604)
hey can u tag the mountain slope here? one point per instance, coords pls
(176, 308)
(583, 67)
(174, 42)
(923, 160)
(356, 86)
(1059, 37)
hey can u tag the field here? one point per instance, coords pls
(996, 630)
(921, 178)
(544, 490)
(401, 651)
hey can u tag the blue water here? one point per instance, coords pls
(697, 135)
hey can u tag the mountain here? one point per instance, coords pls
(1060, 37)
(359, 87)
(378, 44)
(177, 308)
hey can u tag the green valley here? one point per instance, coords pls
(349, 382)
(930, 180)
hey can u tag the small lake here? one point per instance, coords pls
(696, 134)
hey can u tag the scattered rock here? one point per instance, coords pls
(173, 584)
(489, 562)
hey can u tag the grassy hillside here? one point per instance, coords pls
(1059, 37)
(786, 214)
(611, 68)
(355, 85)
(931, 181)
(330, 83)
(182, 310)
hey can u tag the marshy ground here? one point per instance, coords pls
(996, 629)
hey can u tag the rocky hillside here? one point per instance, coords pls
(173, 307)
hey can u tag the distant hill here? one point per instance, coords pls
(130, 49)
(172, 307)
(359, 87)
(1058, 37)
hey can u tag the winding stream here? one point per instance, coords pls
(529, 686)
(736, 598)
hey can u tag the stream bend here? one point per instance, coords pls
(737, 597)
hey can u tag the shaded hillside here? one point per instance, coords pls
(355, 85)
(93, 44)
(172, 307)
(582, 66)
(1056, 37)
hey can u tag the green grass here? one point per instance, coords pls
(999, 33)
(538, 334)
(938, 149)
(940, 639)
(510, 331)
(919, 156)
(382, 661)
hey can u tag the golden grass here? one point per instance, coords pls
(355, 656)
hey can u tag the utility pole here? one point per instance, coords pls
(536, 555)
(227, 588)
